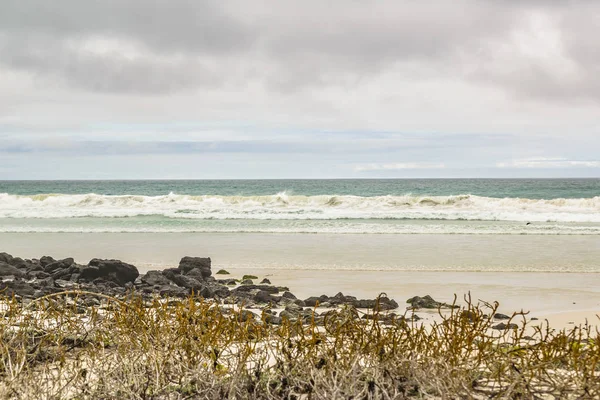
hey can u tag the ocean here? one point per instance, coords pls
(526, 243)
(379, 206)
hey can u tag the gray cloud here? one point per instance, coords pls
(333, 86)
(287, 45)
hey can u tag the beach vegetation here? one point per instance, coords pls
(56, 347)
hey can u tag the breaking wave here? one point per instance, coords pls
(283, 206)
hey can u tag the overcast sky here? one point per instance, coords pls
(298, 89)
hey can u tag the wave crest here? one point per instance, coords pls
(286, 206)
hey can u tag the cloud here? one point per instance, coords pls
(132, 46)
(397, 166)
(341, 87)
(549, 163)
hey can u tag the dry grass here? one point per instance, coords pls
(55, 348)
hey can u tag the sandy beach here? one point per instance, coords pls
(513, 270)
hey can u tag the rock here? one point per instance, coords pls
(468, 315)
(245, 315)
(16, 288)
(265, 282)
(38, 274)
(501, 316)
(427, 302)
(312, 301)
(64, 273)
(88, 273)
(189, 263)
(264, 297)
(155, 278)
(173, 291)
(59, 265)
(221, 291)
(248, 288)
(503, 326)
(6, 258)
(7, 269)
(64, 284)
(46, 260)
(249, 277)
(273, 320)
(247, 282)
(115, 271)
(222, 272)
(288, 295)
(188, 282)
(197, 273)
(227, 281)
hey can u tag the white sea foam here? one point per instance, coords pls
(282, 206)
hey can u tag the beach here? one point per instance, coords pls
(545, 275)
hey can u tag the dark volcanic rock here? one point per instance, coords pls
(170, 273)
(8, 270)
(87, 273)
(16, 288)
(114, 271)
(502, 326)
(248, 288)
(265, 282)
(264, 297)
(46, 260)
(189, 263)
(188, 282)
(154, 278)
(427, 302)
(6, 258)
(59, 265)
(197, 273)
(501, 316)
(288, 295)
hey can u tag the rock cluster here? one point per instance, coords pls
(28, 279)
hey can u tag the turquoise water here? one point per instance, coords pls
(498, 188)
(396, 206)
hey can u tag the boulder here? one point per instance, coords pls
(264, 297)
(7, 270)
(87, 273)
(154, 278)
(115, 271)
(188, 282)
(16, 288)
(189, 263)
(46, 260)
(248, 288)
(289, 295)
(427, 302)
(502, 326)
(170, 273)
(247, 282)
(197, 273)
(6, 258)
(59, 265)
(501, 316)
(265, 282)
(222, 272)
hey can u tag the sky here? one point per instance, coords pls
(191, 89)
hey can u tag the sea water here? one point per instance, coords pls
(532, 244)
(444, 206)
(541, 225)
